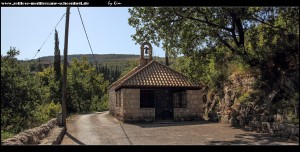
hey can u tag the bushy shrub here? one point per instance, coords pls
(85, 86)
(19, 94)
(6, 135)
(45, 112)
(104, 103)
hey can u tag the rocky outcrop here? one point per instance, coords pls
(33, 136)
(255, 114)
(244, 106)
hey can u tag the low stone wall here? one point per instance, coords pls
(55, 136)
(35, 135)
(275, 124)
(278, 129)
(139, 115)
(185, 114)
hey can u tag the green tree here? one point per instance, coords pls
(19, 94)
(185, 30)
(26, 98)
(49, 86)
(85, 87)
(57, 67)
(12, 53)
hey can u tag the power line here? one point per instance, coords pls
(49, 35)
(88, 40)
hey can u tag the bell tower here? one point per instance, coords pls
(146, 54)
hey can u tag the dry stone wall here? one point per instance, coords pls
(284, 130)
(35, 135)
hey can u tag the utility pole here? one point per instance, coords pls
(64, 86)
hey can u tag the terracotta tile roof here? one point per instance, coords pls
(154, 74)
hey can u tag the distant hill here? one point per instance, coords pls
(101, 58)
(122, 61)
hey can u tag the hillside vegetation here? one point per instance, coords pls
(111, 60)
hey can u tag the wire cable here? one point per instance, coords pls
(88, 39)
(48, 36)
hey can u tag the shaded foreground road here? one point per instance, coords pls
(104, 129)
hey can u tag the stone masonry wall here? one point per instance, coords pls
(130, 110)
(193, 111)
(131, 107)
(119, 110)
(113, 109)
(112, 101)
(32, 136)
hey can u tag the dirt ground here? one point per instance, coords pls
(103, 129)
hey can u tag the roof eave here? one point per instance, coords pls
(155, 87)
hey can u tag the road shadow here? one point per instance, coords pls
(74, 139)
(169, 123)
(255, 139)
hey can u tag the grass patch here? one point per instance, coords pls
(5, 135)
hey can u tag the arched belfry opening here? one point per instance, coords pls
(146, 53)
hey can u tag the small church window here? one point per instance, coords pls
(118, 98)
(179, 99)
(147, 99)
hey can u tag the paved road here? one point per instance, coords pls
(104, 129)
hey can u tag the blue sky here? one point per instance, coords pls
(107, 29)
